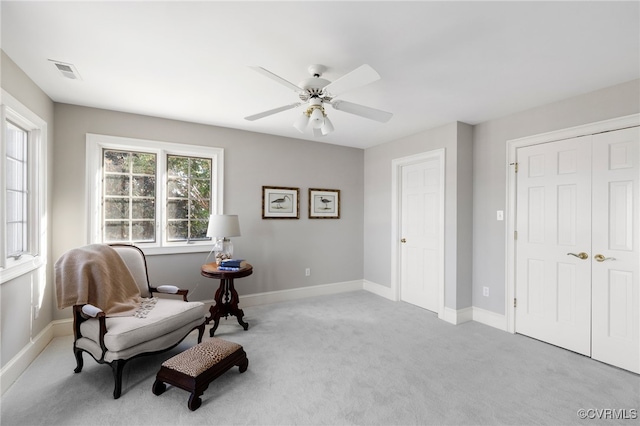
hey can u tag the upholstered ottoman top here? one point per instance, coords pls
(198, 359)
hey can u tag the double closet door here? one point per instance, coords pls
(577, 255)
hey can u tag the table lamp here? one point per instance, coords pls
(221, 227)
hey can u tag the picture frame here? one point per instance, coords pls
(324, 203)
(280, 202)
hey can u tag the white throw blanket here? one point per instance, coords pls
(96, 274)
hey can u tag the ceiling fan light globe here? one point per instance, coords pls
(317, 118)
(301, 123)
(327, 127)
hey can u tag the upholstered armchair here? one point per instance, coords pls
(145, 320)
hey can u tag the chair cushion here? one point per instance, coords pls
(157, 345)
(135, 261)
(124, 332)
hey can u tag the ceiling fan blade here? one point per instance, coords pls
(279, 79)
(361, 76)
(362, 111)
(272, 111)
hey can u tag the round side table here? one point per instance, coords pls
(226, 297)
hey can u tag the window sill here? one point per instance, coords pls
(153, 251)
(21, 268)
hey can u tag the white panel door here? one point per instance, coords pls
(553, 222)
(580, 198)
(616, 237)
(421, 258)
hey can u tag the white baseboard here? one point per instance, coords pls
(62, 327)
(456, 317)
(380, 290)
(19, 363)
(489, 318)
(474, 314)
(299, 293)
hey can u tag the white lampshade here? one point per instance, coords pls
(327, 127)
(316, 118)
(223, 226)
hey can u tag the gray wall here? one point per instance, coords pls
(279, 249)
(455, 138)
(490, 168)
(16, 327)
(478, 151)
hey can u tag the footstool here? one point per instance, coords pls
(193, 369)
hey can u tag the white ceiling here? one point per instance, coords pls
(439, 61)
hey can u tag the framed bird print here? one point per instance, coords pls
(324, 203)
(280, 202)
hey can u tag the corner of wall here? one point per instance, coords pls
(464, 216)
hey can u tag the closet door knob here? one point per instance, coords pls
(601, 258)
(404, 240)
(582, 255)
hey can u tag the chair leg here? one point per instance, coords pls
(201, 332)
(117, 366)
(79, 360)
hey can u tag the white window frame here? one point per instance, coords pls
(95, 145)
(36, 255)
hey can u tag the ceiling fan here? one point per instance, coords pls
(316, 92)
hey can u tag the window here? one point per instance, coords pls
(155, 195)
(189, 192)
(128, 196)
(22, 190)
(17, 192)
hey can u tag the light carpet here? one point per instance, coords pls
(347, 359)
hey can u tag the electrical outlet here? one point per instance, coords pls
(485, 291)
(307, 272)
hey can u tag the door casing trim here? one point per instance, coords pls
(396, 195)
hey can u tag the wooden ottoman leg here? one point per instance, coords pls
(158, 387)
(194, 401)
(243, 364)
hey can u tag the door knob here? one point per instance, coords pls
(601, 258)
(404, 240)
(582, 255)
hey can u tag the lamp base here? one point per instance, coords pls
(223, 250)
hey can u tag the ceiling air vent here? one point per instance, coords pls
(67, 70)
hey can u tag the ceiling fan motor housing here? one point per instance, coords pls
(313, 86)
